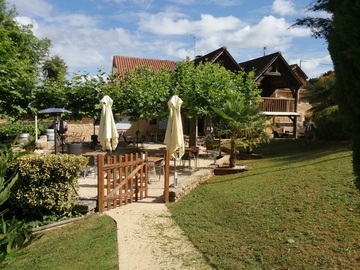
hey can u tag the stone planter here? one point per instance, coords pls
(23, 137)
(50, 134)
(225, 170)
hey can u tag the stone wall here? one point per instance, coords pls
(185, 185)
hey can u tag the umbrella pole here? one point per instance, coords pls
(36, 128)
(175, 174)
(55, 136)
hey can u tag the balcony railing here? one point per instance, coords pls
(278, 104)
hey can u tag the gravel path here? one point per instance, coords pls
(149, 239)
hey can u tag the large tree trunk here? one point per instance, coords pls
(233, 150)
(193, 132)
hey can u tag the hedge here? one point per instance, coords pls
(47, 185)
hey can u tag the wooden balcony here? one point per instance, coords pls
(277, 104)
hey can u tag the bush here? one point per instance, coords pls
(9, 131)
(329, 125)
(46, 186)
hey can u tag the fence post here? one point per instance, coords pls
(100, 178)
(166, 176)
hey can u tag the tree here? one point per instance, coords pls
(324, 110)
(245, 125)
(83, 94)
(21, 55)
(50, 93)
(54, 68)
(143, 93)
(209, 85)
(321, 93)
(342, 33)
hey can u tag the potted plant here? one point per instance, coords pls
(245, 126)
(30, 145)
(209, 141)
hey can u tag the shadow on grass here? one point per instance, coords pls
(287, 155)
(278, 169)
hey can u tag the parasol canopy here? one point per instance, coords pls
(54, 110)
(108, 135)
(174, 136)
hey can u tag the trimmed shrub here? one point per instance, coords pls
(9, 131)
(47, 185)
(329, 125)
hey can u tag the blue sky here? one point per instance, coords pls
(88, 33)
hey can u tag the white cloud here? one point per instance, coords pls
(314, 67)
(269, 32)
(312, 63)
(23, 20)
(38, 8)
(283, 7)
(73, 20)
(173, 23)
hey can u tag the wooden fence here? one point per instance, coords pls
(123, 179)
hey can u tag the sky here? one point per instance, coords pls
(88, 33)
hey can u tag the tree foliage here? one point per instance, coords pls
(321, 93)
(54, 68)
(143, 93)
(83, 94)
(324, 111)
(341, 30)
(21, 54)
(210, 85)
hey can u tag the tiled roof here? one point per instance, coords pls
(122, 64)
(273, 72)
(260, 64)
(126, 63)
(221, 56)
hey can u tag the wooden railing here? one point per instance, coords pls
(278, 104)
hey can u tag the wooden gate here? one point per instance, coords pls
(122, 179)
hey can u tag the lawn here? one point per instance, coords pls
(90, 243)
(297, 208)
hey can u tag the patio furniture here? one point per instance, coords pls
(152, 136)
(156, 167)
(128, 141)
(191, 153)
(94, 154)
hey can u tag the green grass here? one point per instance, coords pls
(90, 243)
(297, 208)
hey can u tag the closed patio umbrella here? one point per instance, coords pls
(108, 135)
(174, 136)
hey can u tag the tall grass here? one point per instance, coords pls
(297, 208)
(87, 244)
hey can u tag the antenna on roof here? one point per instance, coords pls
(301, 62)
(193, 36)
(264, 50)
